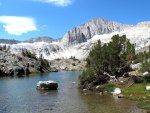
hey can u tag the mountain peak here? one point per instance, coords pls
(99, 19)
(96, 26)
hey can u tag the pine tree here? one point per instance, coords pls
(113, 58)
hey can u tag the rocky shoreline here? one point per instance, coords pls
(17, 65)
(12, 65)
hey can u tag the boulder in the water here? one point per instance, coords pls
(47, 85)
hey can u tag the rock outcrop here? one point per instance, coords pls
(18, 65)
(86, 31)
(47, 85)
(70, 64)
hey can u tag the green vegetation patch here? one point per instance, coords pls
(144, 104)
(106, 88)
(138, 92)
(109, 88)
(28, 54)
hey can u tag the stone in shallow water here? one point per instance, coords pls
(47, 85)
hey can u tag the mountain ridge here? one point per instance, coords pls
(9, 41)
(77, 37)
(138, 34)
(46, 39)
(41, 39)
(96, 26)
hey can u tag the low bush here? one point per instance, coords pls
(86, 74)
(147, 78)
(27, 53)
(109, 87)
(138, 79)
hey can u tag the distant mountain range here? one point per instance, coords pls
(41, 39)
(80, 33)
(9, 41)
(31, 40)
(79, 40)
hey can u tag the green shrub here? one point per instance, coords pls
(109, 87)
(27, 53)
(106, 87)
(147, 78)
(86, 74)
(138, 79)
(45, 62)
(144, 105)
(73, 58)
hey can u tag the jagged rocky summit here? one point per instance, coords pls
(94, 27)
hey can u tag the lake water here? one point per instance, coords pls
(19, 95)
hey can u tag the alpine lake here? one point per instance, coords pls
(19, 95)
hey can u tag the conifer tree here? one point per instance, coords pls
(113, 58)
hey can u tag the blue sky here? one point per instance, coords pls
(23, 19)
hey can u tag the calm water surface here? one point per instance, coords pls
(20, 96)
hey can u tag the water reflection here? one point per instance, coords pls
(47, 92)
(109, 104)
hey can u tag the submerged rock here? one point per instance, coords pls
(74, 82)
(47, 85)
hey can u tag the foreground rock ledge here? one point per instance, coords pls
(47, 85)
